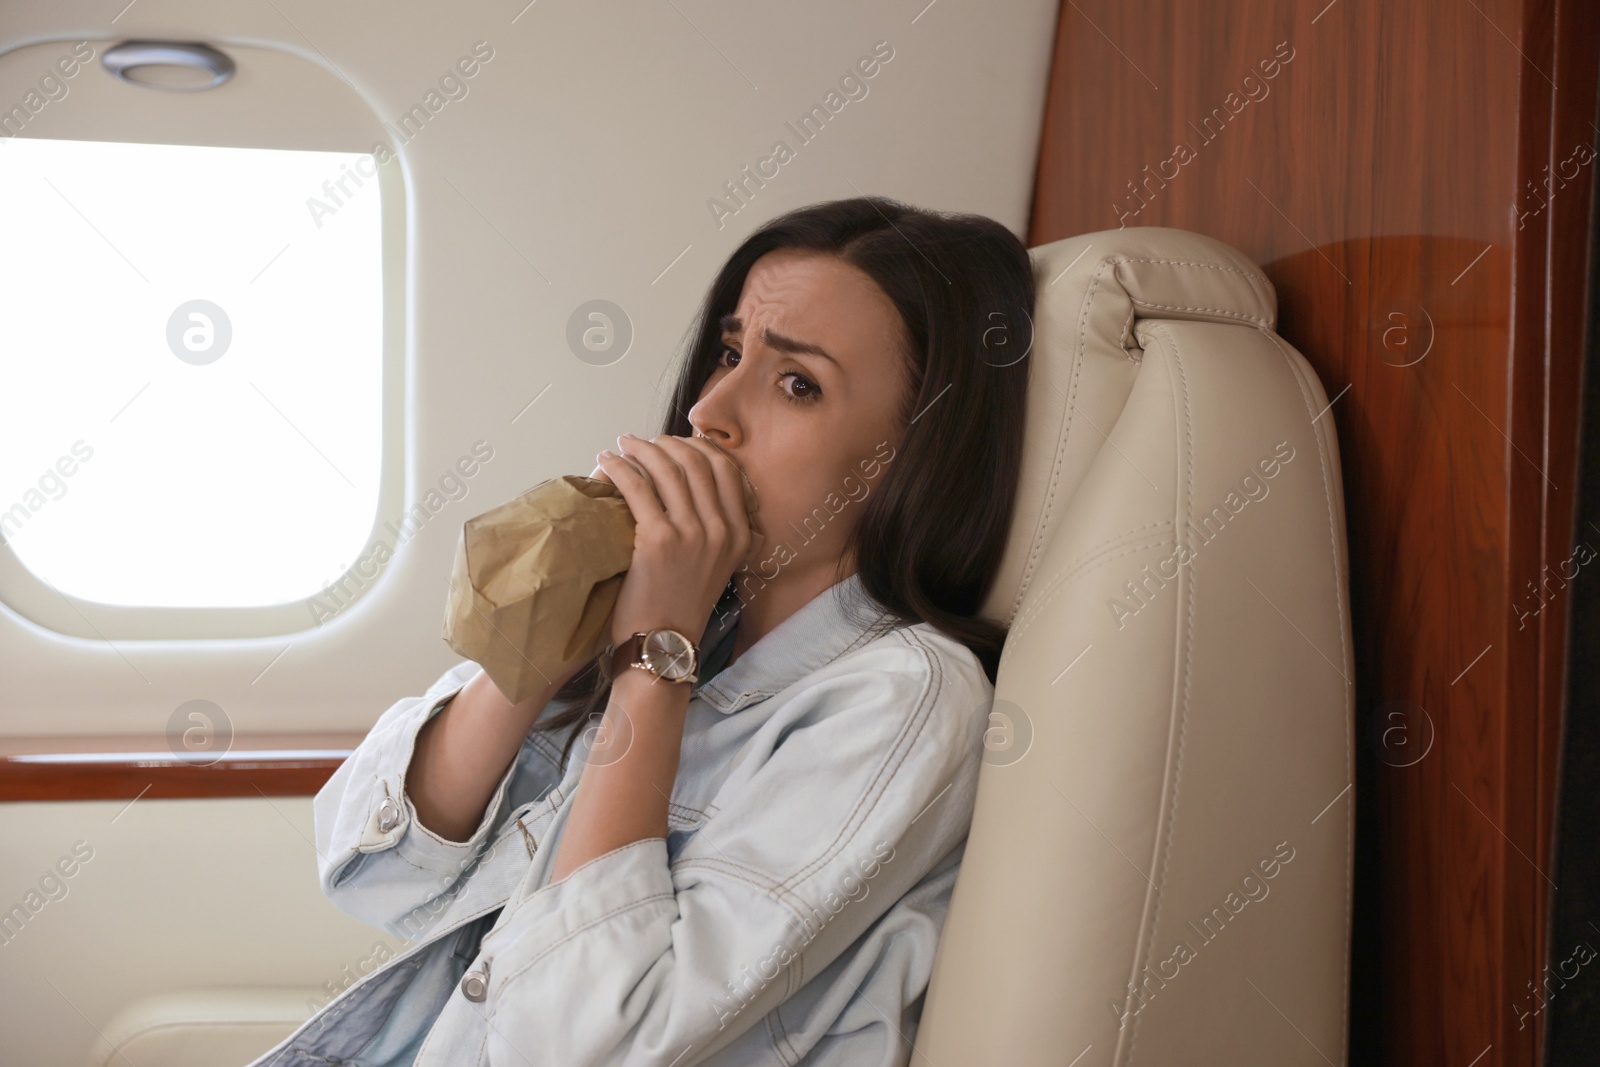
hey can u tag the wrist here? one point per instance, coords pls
(636, 689)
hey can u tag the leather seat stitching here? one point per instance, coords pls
(1061, 443)
(1184, 649)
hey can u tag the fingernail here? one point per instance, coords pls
(604, 452)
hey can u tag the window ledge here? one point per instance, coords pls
(128, 766)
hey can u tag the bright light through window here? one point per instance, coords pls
(190, 369)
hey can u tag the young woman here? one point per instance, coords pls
(752, 859)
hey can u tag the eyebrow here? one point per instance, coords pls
(733, 324)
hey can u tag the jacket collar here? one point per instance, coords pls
(836, 620)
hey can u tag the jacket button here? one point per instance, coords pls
(388, 815)
(475, 984)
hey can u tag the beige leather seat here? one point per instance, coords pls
(1159, 867)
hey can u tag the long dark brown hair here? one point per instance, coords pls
(927, 543)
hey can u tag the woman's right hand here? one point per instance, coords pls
(688, 502)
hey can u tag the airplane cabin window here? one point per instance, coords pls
(197, 420)
(203, 336)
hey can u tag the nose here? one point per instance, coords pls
(716, 414)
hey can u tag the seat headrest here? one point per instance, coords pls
(1091, 290)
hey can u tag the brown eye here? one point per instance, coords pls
(725, 350)
(806, 390)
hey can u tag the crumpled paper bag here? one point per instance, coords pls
(536, 579)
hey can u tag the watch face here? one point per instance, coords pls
(670, 653)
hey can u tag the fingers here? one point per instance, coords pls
(700, 486)
(730, 482)
(635, 488)
(730, 497)
(670, 479)
(705, 480)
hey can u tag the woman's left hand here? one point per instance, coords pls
(691, 534)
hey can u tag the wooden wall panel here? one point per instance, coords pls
(130, 766)
(1386, 165)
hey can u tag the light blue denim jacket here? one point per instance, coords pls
(825, 787)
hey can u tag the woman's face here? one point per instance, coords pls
(806, 397)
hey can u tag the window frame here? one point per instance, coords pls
(59, 614)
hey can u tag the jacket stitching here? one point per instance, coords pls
(503, 832)
(778, 1034)
(888, 769)
(782, 892)
(597, 920)
(861, 639)
(673, 805)
(544, 747)
(739, 872)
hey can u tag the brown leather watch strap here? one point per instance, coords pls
(624, 655)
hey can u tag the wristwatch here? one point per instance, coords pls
(667, 654)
